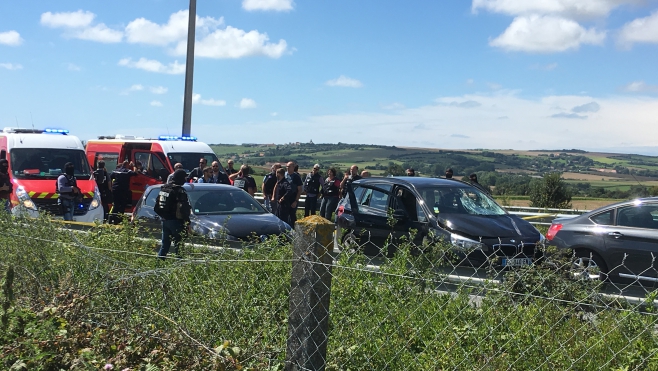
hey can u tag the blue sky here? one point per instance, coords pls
(520, 74)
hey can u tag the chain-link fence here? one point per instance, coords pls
(99, 298)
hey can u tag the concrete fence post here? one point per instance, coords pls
(310, 291)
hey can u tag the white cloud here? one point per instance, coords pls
(544, 67)
(73, 67)
(545, 34)
(393, 106)
(494, 86)
(99, 33)
(136, 87)
(641, 30)
(11, 66)
(567, 8)
(274, 114)
(11, 38)
(158, 89)
(640, 87)
(276, 5)
(78, 25)
(143, 31)
(345, 81)
(156, 103)
(503, 120)
(153, 66)
(77, 19)
(247, 103)
(234, 43)
(196, 99)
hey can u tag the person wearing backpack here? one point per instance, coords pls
(173, 206)
(330, 194)
(312, 187)
(269, 181)
(68, 190)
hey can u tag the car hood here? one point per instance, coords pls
(243, 225)
(489, 226)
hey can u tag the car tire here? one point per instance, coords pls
(350, 242)
(589, 265)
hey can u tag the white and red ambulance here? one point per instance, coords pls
(158, 157)
(36, 158)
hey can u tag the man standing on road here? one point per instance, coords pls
(120, 191)
(296, 182)
(312, 187)
(230, 170)
(284, 194)
(103, 182)
(350, 176)
(68, 190)
(5, 185)
(174, 208)
(269, 181)
(243, 180)
(217, 175)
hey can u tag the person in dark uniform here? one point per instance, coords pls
(350, 176)
(103, 182)
(197, 172)
(285, 195)
(312, 187)
(449, 173)
(120, 191)
(296, 182)
(243, 180)
(174, 224)
(5, 185)
(229, 168)
(69, 193)
(474, 182)
(269, 181)
(218, 175)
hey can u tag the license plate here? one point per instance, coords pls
(516, 262)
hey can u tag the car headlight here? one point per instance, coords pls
(24, 198)
(466, 244)
(96, 201)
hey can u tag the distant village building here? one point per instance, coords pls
(613, 171)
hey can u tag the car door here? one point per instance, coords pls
(632, 243)
(371, 218)
(151, 175)
(415, 217)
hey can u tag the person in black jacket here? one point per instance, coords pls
(175, 219)
(269, 181)
(121, 192)
(5, 185)
(103, 183)
(285, 195)
(68, 190)
(312, 187)
(330, 194)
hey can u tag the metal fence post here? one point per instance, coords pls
(310, 291)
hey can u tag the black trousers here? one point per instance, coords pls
(310, 205)
(121, 200)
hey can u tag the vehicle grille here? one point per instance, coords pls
(527, 249)
(51, 206)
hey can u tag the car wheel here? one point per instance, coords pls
(589, 265)
(349, 242)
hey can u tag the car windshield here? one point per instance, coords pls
(223, 202)
(459, 200)
(47, 162)
(190, 160)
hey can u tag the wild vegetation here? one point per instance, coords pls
(83, 301)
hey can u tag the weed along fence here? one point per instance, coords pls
(85, 300)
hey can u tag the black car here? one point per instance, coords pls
(618, 241)
(220, 212)
(377, 211)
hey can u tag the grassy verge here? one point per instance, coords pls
(81, 301)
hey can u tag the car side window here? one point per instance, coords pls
(410, 204)
(604, 218)
(151, 198)
(374, 199)
(358, 193)
(640, 216)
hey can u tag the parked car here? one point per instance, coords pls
(220, 212)
(378, 211)
(617, 242)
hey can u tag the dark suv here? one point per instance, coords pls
(378, 211)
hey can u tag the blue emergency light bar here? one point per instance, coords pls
(172, 137)
(56, 131)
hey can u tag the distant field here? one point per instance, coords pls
(577, 204)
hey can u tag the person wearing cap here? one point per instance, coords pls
(312, 187)
(176, 167)
(68, 190)
(474, 182)
(175, 224)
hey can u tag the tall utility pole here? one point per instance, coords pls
(189, 71)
